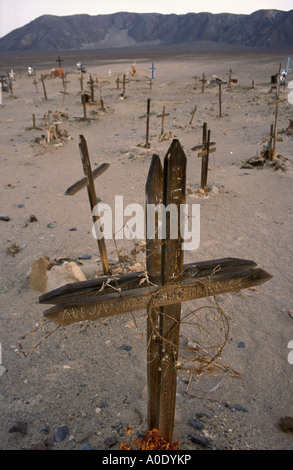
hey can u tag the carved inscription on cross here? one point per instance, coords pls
(207, 147)
(171, 283)
(88, 181)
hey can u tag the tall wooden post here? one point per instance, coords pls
(172, 267)
(273, 154)
(154, 195)
(220, 99)
(147, 144)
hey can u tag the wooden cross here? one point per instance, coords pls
(124, 83)
(118, 83)
(64, 92)
(171, 283)
(163, 115)
(59, 60)
(192, 115)
(203, 82)
(207, 147)
(153, 68)
(88, 181)
(92, 88)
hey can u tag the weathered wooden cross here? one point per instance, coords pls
(163, 115)
(207, 147)
(59, 60)
(203, 81)
(170, 283)
(64, 92)
(88, 181)
(123, 85)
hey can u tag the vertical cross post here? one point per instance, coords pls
(59, 60)
(154, 195)
(44, 86)
(147, 144)
(63, 98)
(163, 115)
(220, 99)
(83, 100)
(205, 163)
(118, 83)
(86, 164)
(192, 115)
(203, 82)
(171, 271)
(273, 154)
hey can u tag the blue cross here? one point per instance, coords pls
(152, 68)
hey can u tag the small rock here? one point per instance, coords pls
(241, 408)
(32, 218)
(60, 433)
(286, 424)
(110, 441)
(84, 256)
(86, 446)
(20, 427)
(203, 441)
(42, 445)
(241, 344)
(51, 225)
(195, 424)
(126, 347)
(4, 217)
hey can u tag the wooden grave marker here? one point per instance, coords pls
(207, 147)
(124, 86)
(153, 68)
(203, 81)
(192, 115)
(172, 283)
(64, 92)
(163, 115)
(88, 181)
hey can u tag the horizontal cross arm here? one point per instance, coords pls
(83, 182)
(107, 284)
(117, 303)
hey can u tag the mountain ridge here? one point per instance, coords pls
(262, 29)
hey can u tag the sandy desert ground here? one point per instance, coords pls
(90, 377)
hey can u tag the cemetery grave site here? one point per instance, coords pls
(215, 129)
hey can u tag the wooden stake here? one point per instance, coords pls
(44, 87)
(83, 99)
(147, 144)
(220, 99)
(163, 118)
(192, 115)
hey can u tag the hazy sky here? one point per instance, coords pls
(17, 13)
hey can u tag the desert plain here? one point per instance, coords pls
(90, 378)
